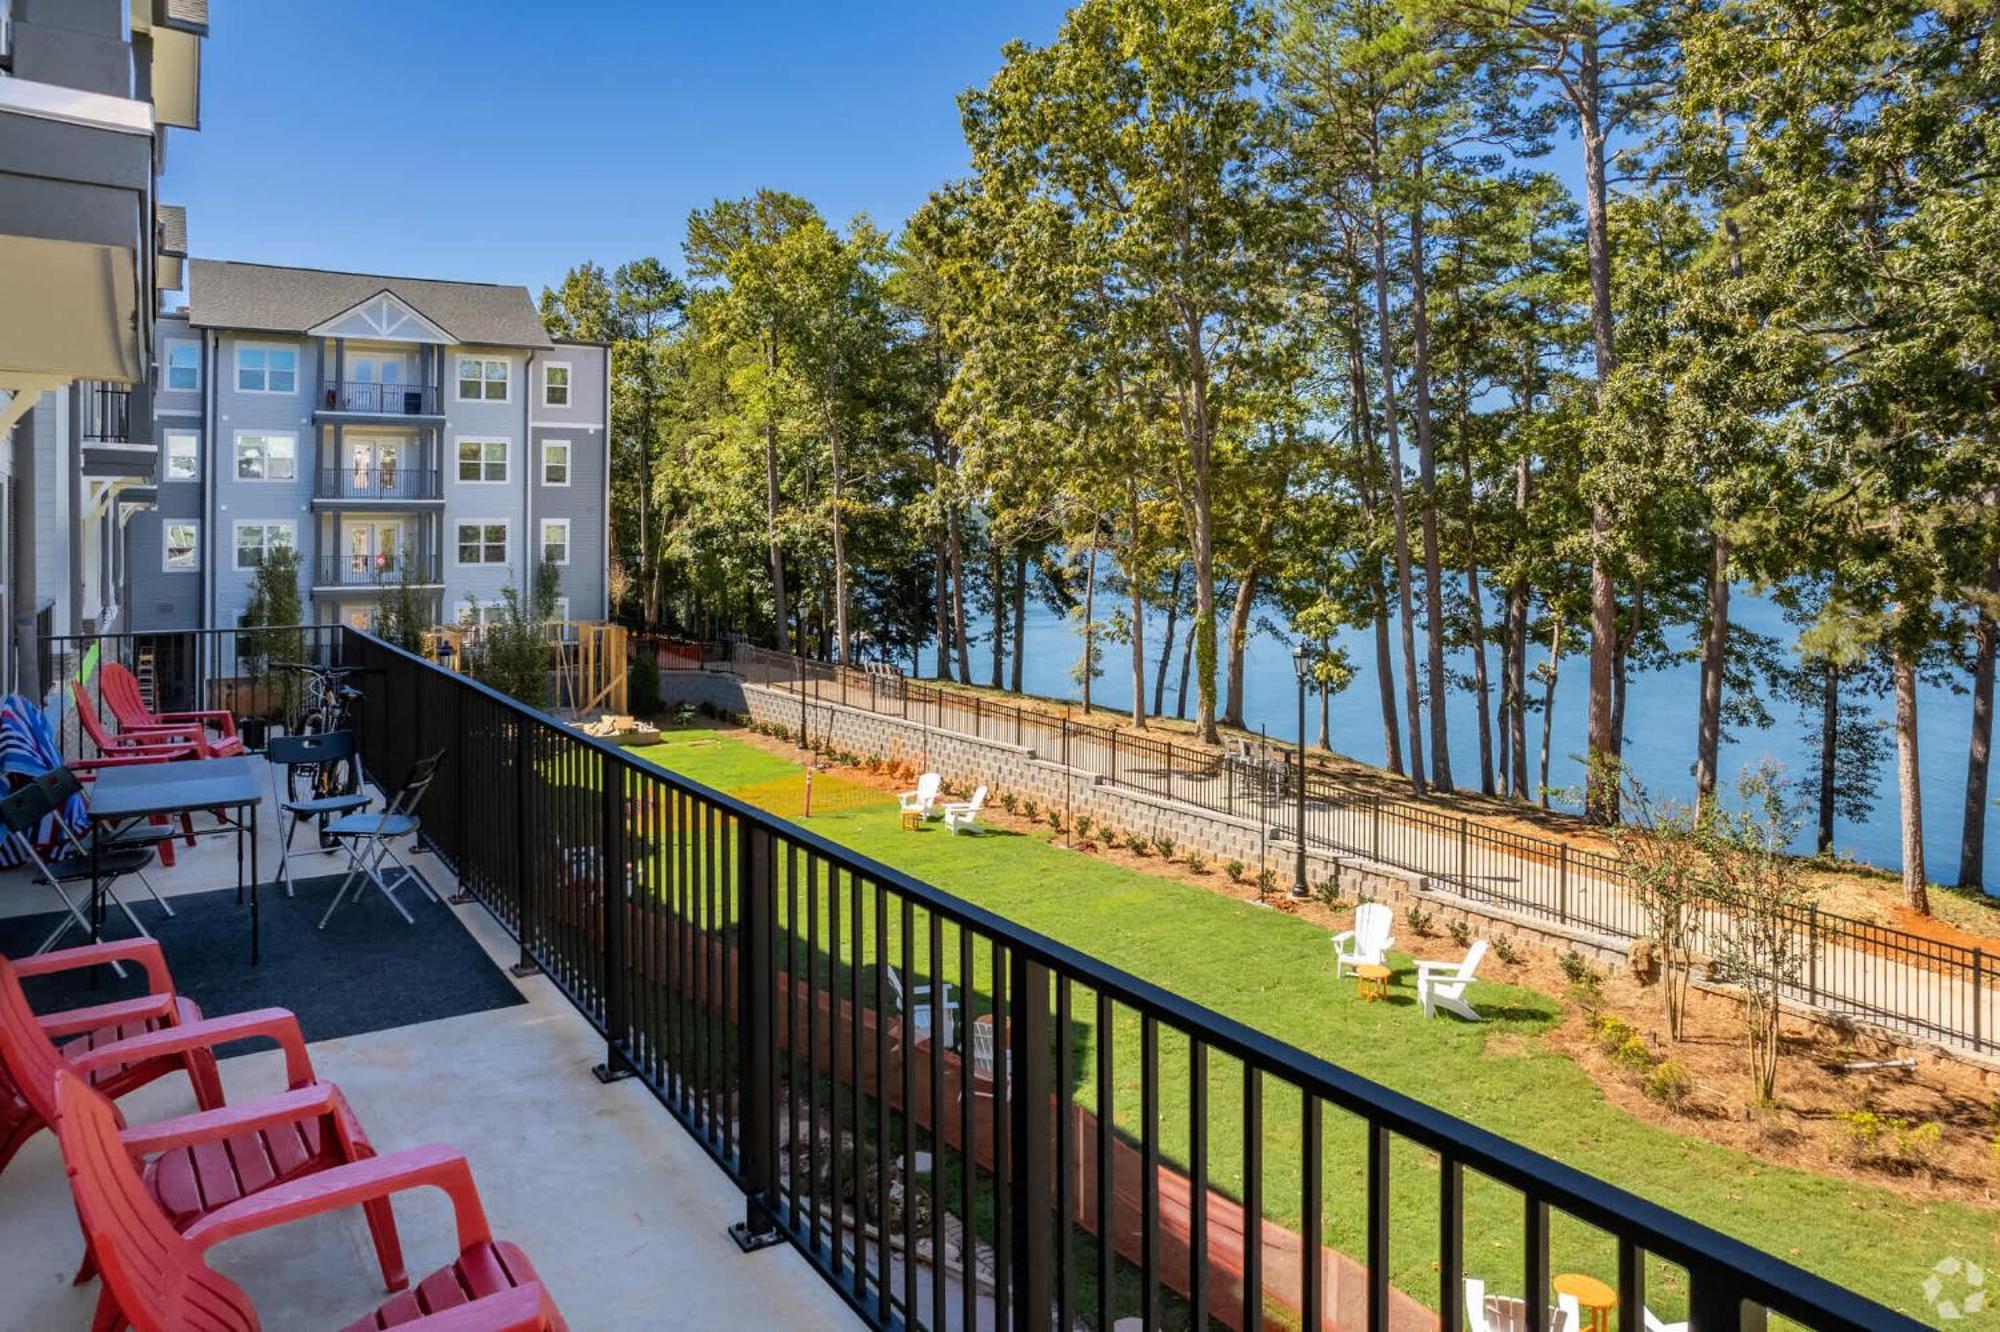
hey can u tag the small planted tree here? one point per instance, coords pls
(1764, 897)
(405, 615)
(272, 633)
(513, 653)
(1662, 852)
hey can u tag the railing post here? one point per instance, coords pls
(1812, 953)
(1031, 1119)
(1978, 1001)
(618, 906)
(1465, 855)
(1375, 830)
(461, 752)
(1562, 882)
(524, 875)
(756, 1028)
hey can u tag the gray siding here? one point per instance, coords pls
(239, 413)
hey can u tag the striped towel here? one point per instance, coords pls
(28, 749)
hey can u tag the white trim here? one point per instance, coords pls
(166, 557)
(458, 440)
(565, 425)
(167, 476)
(569, 463)
(542, 542)
(388, 332)
(506, 526)
(167, 345)
(192, 413)
(569, 383)
(236, 442)
(236, 368)
(458, 380)
(236, 531)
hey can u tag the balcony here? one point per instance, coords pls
(362, 486)
(744, 977)
(401, 402)
(374, 572)
(115, 425)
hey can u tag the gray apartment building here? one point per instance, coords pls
(384, 427)
(88, 90)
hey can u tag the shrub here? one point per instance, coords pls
(1576, 967)
(1197, 863)
(1329, 894)
(1267, 879)
(1032, 809)
(1865, 1128)
(1234, 869)
(1055, 818)
(644, 687)
(1588, 997)
(1918, 1144)
(1137, 843)
(1165, 846)
(1613, 1031)
(1670, 1084)
(1461, 933)
(1504, 949)
(1419, 921)
(1083, 824)
(1633, 1054)
(1009, 802)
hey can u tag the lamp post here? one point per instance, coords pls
(1302, 667)
(802, 701)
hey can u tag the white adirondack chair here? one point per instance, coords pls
(923, 798)
(1654, 1323)
(1368, 942)
(917, 1006)
(959, 815)
(1505, 1313)
(983, 1069)
(1442, 984)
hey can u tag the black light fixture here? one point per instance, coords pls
(1301, 667)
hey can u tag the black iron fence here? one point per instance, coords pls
(962, 1123)
(380, 481)
(107, 413)
(1893, 977)
(377, 570)
(381, 399)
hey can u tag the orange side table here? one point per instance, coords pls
(1596, 1299)
(1371, 981)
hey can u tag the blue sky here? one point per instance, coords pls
(504, 142)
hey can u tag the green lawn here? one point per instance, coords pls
(1274, 972)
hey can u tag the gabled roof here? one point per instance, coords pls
(173, 229)
(267, 298)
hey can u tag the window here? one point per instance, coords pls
(555, 384)
(555, 462)
(482, 461)
(562, 609)
(183, 455)
(555, 540)
(267, 457)
(262, 369)
(482, 379)
(180, 544)
(256, 540)
(472, 612)
(482, 543)
(183, 365)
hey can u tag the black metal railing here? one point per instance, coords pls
(181, 670)
(375, 570)
(380, 399)
(107, 413)
(1900, 980)
(764, 984)
(391, 481)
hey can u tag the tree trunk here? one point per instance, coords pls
(1979, 748)
(1138, 589)
(1412, 698)
(1829, 754)
(955, 547)
(1909, 788)
(1440, 693)
(943, 671)
(1366, 462)
(1634, 622)
(1239, 638)
(1187, 660)
(1549, 702)
(840, 641)
(771, 503)
(1476, 611)
(1605, 742)
(1325, 708)
(1167, 647)
(997, 582)
(1089, 621)
(1020, 611)
(1714, 660)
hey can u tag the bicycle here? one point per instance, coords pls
(328, 698)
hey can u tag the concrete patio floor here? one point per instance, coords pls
(623, 1215)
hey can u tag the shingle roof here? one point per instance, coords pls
(267, 298)
(173, 229)
(189, 15)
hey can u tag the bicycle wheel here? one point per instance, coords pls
(302, 780)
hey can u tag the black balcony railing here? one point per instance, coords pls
(381, 399)
(355, 570)
(383, 481)
(107, 413)
(751, 974)
(181, 670)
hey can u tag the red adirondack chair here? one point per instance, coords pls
(82, 1030)
(160, 1280)
(120, 689)
(199, 1163)
(161, 746)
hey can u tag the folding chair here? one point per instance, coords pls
(368, 837)
(285, 752)
(21, 813)
(62, 786)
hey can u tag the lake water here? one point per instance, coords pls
(1660, 724)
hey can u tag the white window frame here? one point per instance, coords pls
(506, 526)
(236, 362)
(506, 460)
(236, 463)
(167, 440)
(458, 379)
(268, 525)
(562, 609)
(167, 564)
(168, 347)
(568, 384)
(568, 460)
(542, 550)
